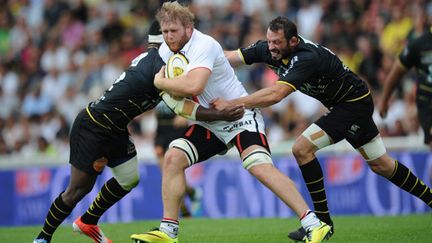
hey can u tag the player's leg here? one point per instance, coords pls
(425, 119)
(198, 144)
(124, 165)
(305, 146)
(254, 151)
(80, 184)
(381, 163)
(82, 178)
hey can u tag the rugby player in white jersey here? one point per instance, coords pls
(208, 77)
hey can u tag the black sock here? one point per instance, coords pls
(110, 193)
(405, 179)
(56, 214)
(314, 179)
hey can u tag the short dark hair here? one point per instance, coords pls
(283, 23)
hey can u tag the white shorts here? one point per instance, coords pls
(251, 121)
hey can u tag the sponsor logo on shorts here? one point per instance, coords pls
(237, 125)
(131, 149)
(354, 129)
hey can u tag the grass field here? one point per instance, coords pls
(411, 228)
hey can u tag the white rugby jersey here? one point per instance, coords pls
(204, 51)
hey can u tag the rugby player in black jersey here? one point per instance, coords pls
(316, 71)
(418, 54)
(99, 138)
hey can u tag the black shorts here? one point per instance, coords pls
(167, 133)
(208, 145)
(351, 121)
(425, 119)
(90, 142)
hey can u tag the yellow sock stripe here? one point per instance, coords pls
(429, 203)
(318, 191)
(409, 172)
(46, 232)
(415, 184)
(395, 169)
(92, 214)
(53, 215)
(46, 221)
(59, 209)
(423, 192)
(94, 120)
(111, 192)
(105, 198)
(310, 183)
(320, 201)
(95, 202)
(321, 211)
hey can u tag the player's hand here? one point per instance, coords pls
(231, 112)
(159, 76)
(220, 104)
(383, 108)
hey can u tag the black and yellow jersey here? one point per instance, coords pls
(313, 70)
(131, 94)
(418, 54)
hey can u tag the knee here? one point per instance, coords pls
(174, 161)
(383, 166)
(302, 151)
(130, 182)
(74, 194)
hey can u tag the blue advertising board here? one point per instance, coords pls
(228, 190)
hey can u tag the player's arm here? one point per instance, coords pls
(193, 111)
(261, 98)
(235, 57)
(390, 82)
(190, 84)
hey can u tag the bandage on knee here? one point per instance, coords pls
(187, 147)
(373, 149)
(317, 136)
(127, 174)
(256, 157)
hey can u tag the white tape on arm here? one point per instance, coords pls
(182, 107)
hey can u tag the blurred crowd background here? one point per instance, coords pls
(58, 55)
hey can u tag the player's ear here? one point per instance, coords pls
(293, 41)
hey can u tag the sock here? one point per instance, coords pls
(56, 214)
(314, 179)
(110, 193)
(309, 220)
(405, 179)
(170, 227)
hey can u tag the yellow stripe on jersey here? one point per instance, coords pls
(359, 98)
(285, 82)
(95, 121)
(241, 56)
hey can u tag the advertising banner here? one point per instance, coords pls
(225, 190)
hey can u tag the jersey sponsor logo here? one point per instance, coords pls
(292, 62)
(237, 125)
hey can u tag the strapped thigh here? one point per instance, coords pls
(199, 144)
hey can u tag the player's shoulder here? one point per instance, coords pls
(201, 41)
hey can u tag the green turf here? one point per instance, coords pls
(411, 228)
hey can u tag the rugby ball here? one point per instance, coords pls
(176, 65)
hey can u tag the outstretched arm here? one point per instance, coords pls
(234, 58)
(261, 98)
(390, 82)
(193, 111)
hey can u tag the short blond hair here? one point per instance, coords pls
(173, 11)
